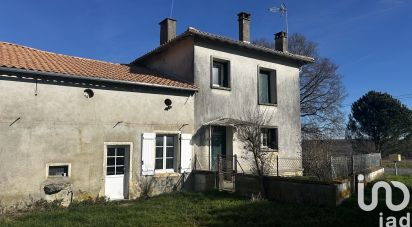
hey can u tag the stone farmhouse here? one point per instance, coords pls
(104, 129)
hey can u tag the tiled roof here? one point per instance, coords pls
(14, 56)
(250, 46)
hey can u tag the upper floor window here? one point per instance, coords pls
(220, 74)
(267, 87)
(270, 138)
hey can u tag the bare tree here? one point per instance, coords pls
(316, 158)
(249, 133)
(321, 90)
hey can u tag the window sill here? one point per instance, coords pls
(221, 88)
(166, 174)
(265, 149)
(268, 104)
(58, 177)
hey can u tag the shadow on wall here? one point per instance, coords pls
(200, 138)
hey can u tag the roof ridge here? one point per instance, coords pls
(64, 55)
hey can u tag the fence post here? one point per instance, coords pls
(235, 163)
(195, 164)
(353, 174)
(331, 167)
(277, 165)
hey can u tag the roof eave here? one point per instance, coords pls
(301, 60)
(70, 76)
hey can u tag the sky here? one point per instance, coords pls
(371, 41)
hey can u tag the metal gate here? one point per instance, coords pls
(225, 174)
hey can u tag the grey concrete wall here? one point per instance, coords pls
(176, 62)
(211, 104)
(60, 125)
(294, 190)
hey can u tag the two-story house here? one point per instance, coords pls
(233, 77)
(99, 128)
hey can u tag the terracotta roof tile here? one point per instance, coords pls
(26, 58)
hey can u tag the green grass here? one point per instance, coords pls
(208, 209)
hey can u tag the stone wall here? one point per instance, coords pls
(294, 190)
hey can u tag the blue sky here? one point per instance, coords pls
(371, 41)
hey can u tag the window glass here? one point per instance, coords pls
(169, 163)
(264, 87)
(220, 74)
(110, 170)
(159, 163)
(216, 75)
(111, 161)
(159, 152)
(119, 170)
(111, 152)
(165, 152)
(115, 160)
(59, 170)
(270, 138)
(170, 140)
(159, 140)
(120, 161)
(120, 151)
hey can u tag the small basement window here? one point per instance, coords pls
(58, 170)
(220, 74)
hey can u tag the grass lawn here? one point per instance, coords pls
(208, 209)
(406, 163)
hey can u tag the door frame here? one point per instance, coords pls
(106, 144)
(210, 142)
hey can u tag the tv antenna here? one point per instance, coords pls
(283, 11)
(171, 9)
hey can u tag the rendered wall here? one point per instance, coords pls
(60, 125)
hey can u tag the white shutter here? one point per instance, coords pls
(148, 153)
(186, 153)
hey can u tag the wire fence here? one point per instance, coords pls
(330, 168)
(344, 166)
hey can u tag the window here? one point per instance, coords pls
(270, 138)
(58, 170)
(115, 161)
(267, 87)
(165, 152)
(220, 74)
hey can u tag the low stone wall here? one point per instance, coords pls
(295, 190)
(374, 174)
(199, 181)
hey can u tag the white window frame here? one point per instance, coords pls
(69, 169)
(164, 157)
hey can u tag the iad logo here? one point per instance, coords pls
(389, 221)
(388, 190)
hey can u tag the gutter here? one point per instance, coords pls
(69, 76)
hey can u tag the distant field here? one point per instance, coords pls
(407, 163)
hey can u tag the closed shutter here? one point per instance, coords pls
(186, 153)
(148, 153)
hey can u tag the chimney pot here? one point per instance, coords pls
(244, 27)
(281, 41)
(167, 30)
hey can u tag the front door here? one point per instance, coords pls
(218, 146)
(116, 183)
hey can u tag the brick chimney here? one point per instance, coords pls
(281, 41)
(167, 30)
(244, 27)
